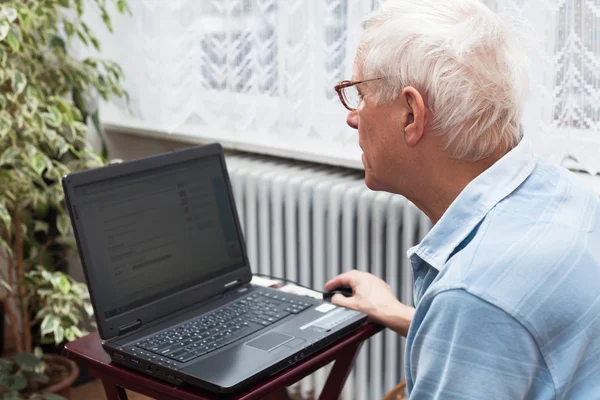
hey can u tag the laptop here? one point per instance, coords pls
(170, 282)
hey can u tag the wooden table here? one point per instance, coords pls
(88, 352)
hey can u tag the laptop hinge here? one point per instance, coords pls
(130, 327)
(232, 284)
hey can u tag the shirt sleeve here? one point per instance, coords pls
(467, 348)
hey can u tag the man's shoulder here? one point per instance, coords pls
(535, 257)
(539, 240)
(550, 198)
(533, 243)
(546, 229)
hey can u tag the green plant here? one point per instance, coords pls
(43, 128)
(23, 376)
(61, 302)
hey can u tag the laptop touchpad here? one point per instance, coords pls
(269, 341)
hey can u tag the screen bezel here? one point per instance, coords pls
(199, 291)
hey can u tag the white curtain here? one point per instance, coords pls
(259, 74)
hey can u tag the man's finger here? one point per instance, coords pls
(341, 300)
(345, 279)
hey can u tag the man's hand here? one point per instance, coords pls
(373, 297)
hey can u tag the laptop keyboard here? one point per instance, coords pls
(215, 330)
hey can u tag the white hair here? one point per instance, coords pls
(469, 62)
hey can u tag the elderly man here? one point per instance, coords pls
(507, 282)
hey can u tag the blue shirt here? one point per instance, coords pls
(507, 289)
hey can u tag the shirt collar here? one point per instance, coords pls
(473, 204)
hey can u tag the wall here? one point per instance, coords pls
(129, 147)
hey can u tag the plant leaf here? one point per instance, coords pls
(56, 114)
(5, 123)
(55, 196)
(69, 29)
(122, 6)
(11, 396)
(63, 224)
(79, 7)
(58, 43)
(89, 309)
(30, 149)
(96, 122)
(9, 155)
(63, 146)
(106, 19)
(95, 43)
(40, 226)
(63, 284)
(13, 382)
(33, 252)
(52, 120)
(13, 41)
(50, 135)
(78, 333)
(24, 17)
(10, 13)
(19, 81)
(7, 250)
(38, 163)
(49, 324)
(59, 334)
(5, 365)
(4, 29)
(27, 360)
(46, 274)
(74, 319)
(40, 378)
(83, 38)
(6, 286)
(32, 98)
(5, 216)
(80, 127)
(69, 335)
(54, 278)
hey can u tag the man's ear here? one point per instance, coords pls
(414, 119)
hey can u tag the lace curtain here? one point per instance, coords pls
(259, 74)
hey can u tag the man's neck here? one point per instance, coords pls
(445, 182)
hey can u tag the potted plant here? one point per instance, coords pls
(43, 128)
(62, 304)
(27, 376)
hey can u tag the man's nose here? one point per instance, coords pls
(352, 120)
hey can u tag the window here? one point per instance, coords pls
(258, 74)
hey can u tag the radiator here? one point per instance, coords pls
(308, 223)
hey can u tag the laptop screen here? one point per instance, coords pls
(153, 233)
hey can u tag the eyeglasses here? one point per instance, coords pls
(348, 93)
